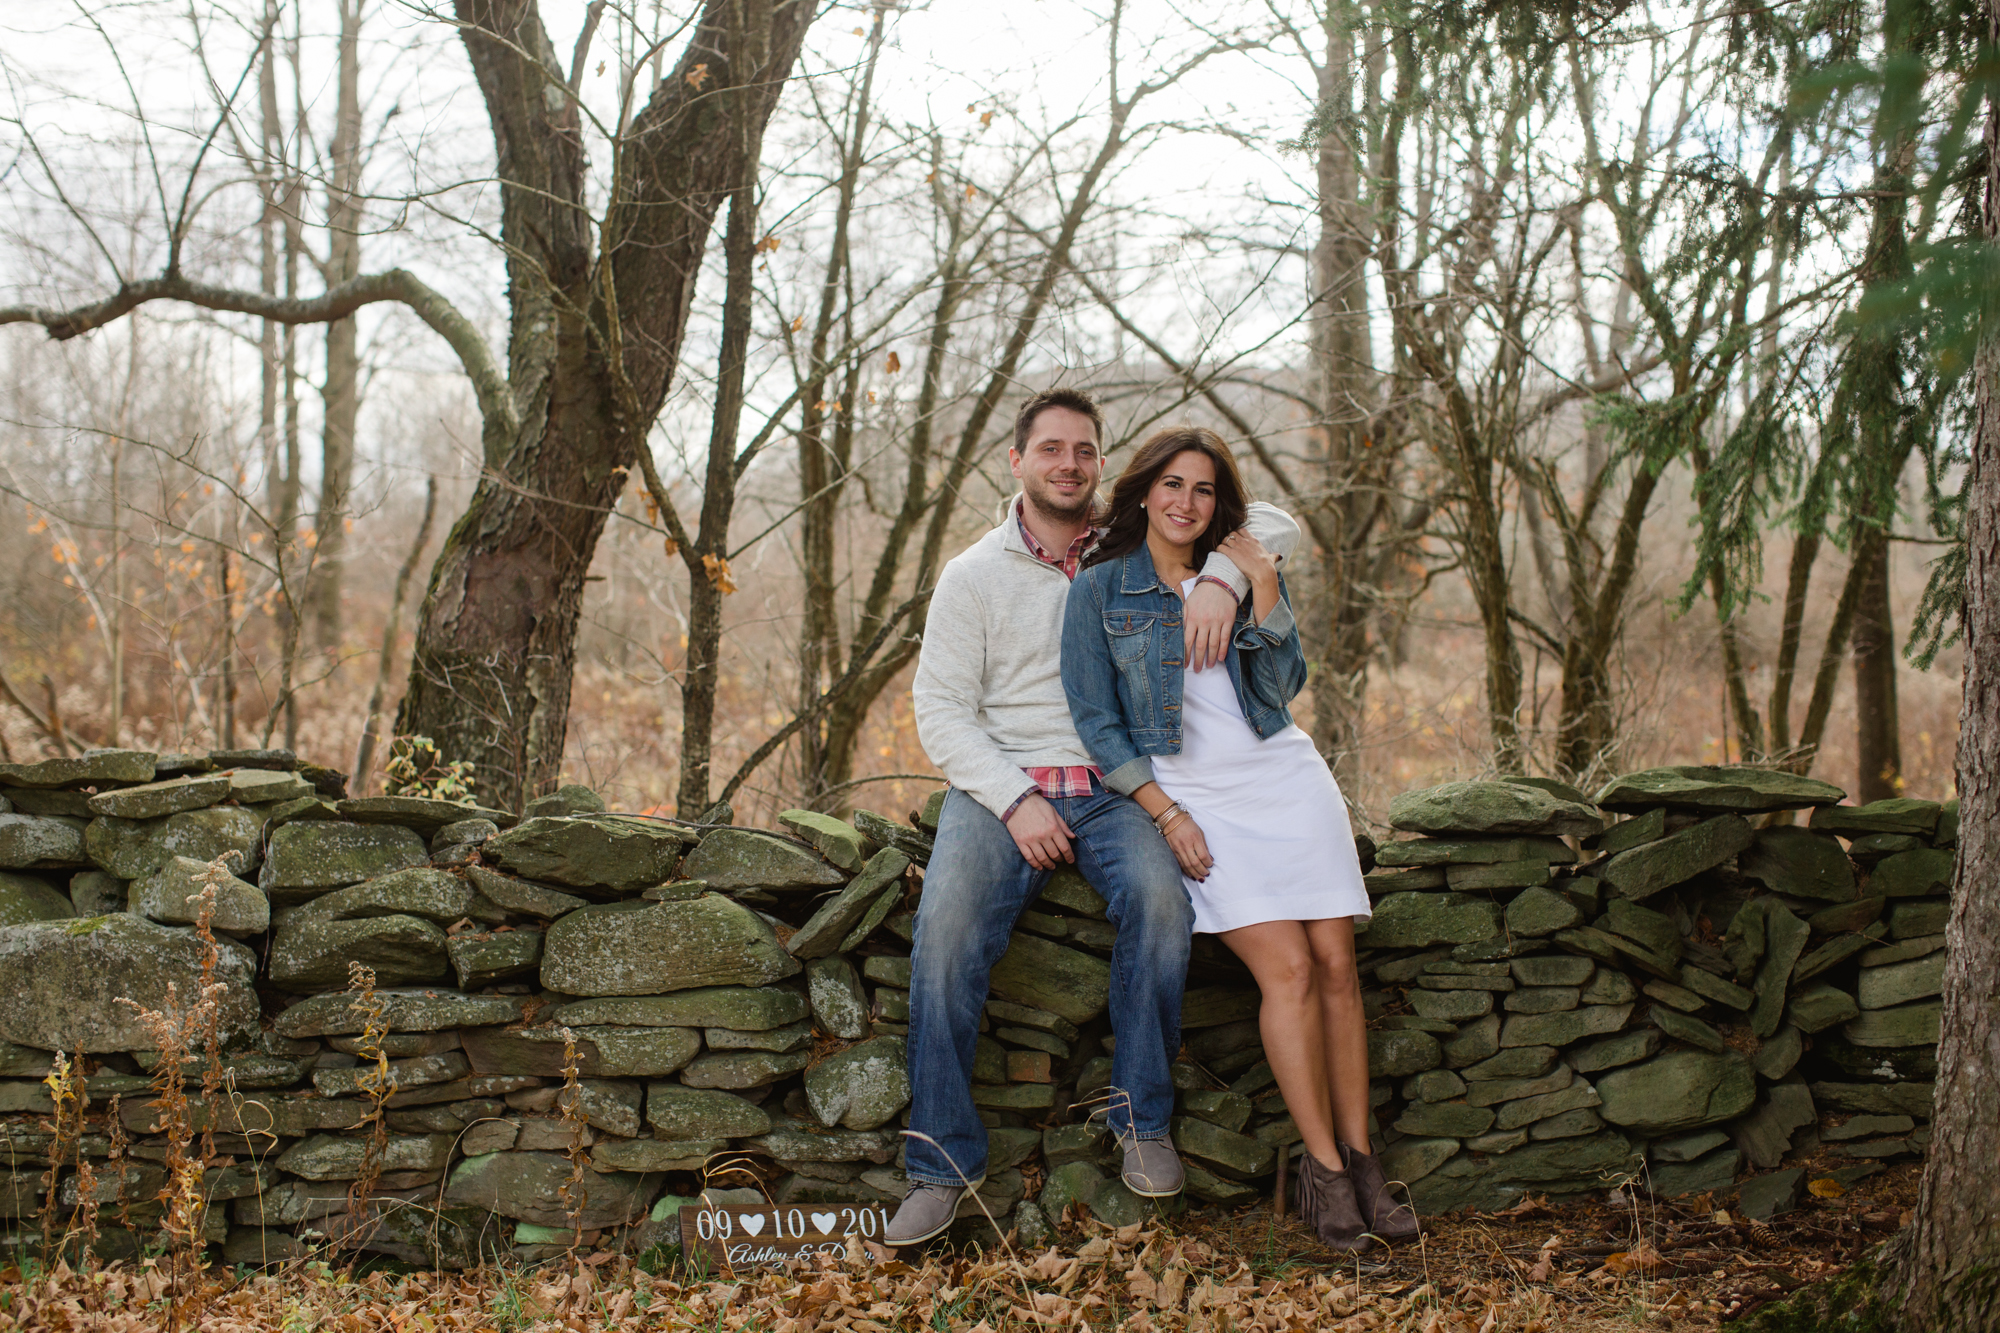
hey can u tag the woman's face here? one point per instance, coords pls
(1181, 504)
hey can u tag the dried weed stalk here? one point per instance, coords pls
(65, 1127)
(178, 1031)
(574, 1192)
(376, 1084)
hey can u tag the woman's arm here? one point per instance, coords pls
(1090, 683)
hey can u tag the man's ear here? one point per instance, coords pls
(1014, 461)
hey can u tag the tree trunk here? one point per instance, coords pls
(1344, 374)
(341, 394)
(1944, 1269)
(595, 341)
(1877, 745)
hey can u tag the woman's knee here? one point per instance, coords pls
(1288, 976)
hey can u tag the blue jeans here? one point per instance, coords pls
(974, 890)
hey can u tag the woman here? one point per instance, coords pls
(1240, 794)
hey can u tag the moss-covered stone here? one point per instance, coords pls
(1046, 975)
(157, 800)
(1679, 1090)
(306, 860)
(839, 914)
(602, 852)
(737, 858)
(421, 1009)
(638, 948)
(484, 958)
(860, 1087)
(1423, 920)
(743, 1008)
(1490, 807)
(168, 896)
(25, 898)
(65, 980)
(95, 768)
(312, 954)
(528, 1186)
(41, 842)
(1656, 866)
(1716, 789)
(1801, 863)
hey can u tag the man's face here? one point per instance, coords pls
(1060, 468)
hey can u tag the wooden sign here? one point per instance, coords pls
(736, 1236)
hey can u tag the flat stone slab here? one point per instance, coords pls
(839, 915)
(1680, 1090)
(1676, 858)
(42, 842)
(169, 898)
(65, 980)
(25, 898)
(427, 817)
(743, 1008)
(618, 854)
(1915, 874)
(415, 1072)
(1913, 1099)
(1472, 851)
(325, 1157)
(839, 1003)
(1802, 863)
(738, 858)
(743, 1069)
(1899, 814)
(521, 896)
(1399, 1054)
(482, 959)
(527, 1186)
(1560, 1029)
(860, 1087)
(309, 858)
(1422, 920)
(1046, 975)
(86, 770)
(1717, 790)
(1490, 807)
(835, 839)
(314, 954)
(134, 849)
(417, 1009)
(1905, 1025)
(793, 1140)
(641, 948)
(156, 800)
(679, 1112)
(1899, 983)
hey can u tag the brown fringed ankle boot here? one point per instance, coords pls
(1393, 1222)
(1327, 1204)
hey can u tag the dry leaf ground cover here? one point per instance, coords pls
(1618, 1262)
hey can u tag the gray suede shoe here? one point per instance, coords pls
(1152, 1169)
(926, 1211)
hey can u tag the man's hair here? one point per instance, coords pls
(1076, 400)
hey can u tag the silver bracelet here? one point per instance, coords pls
(1159, 820)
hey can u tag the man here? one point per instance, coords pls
(1025, 799)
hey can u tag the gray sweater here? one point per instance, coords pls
(988, 690)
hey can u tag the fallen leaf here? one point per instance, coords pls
(1826, 1187)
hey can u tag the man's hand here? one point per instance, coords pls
(1206, 623)
(1040, 833)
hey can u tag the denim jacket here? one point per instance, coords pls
(1121, 666)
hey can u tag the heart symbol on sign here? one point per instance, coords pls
(823, 1222)
(752, 1223)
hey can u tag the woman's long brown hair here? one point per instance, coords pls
(1125, 529)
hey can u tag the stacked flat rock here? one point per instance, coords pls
(1713, 981)
(1562, 991)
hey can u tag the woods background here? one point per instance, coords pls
(1592, 345)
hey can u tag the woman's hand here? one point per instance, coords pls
(1258, 565)
(1190, 848)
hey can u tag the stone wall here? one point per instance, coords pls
(1564, 994)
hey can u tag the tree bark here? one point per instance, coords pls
(1878, 746)
(341, 394)
(1345, 384)
(1943, 1270)
(594, 343)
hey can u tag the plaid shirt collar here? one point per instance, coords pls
(1068, 562)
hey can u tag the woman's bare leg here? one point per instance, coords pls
(1293, 1019)
(1343, 1024)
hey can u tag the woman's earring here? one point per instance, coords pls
(1142, 504)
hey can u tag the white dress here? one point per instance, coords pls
(1275, 821)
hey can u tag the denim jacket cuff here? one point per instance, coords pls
(1275, 628)
(1129, 776)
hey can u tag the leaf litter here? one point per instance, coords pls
(1535, 1268)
